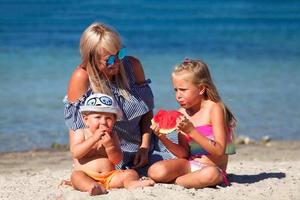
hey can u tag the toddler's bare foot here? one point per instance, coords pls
(65, 182)
(141, 183)
(97, 190)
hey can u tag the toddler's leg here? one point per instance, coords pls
(129, 179)
(207, 176)
(84, 183)
(168, 170)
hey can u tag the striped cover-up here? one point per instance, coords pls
(139, 103)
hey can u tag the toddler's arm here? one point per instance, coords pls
(79, 146)
(112, 147)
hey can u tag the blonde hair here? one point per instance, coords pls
(201, 76)
(94, 38)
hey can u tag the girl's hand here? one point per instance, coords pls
(155, 130)
(184, 125)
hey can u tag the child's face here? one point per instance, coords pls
(187, 94)
(100, 121)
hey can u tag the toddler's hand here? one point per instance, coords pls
(99, 134)
(185, 125)
(106, 139)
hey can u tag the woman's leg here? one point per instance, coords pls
(82, 182)
(207, 176)
(168, 170)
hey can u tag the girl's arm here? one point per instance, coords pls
(180, 150)
(217, 146)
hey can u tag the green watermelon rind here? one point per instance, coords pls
(164, 131)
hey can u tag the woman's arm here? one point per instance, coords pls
(146, 118)
(141, 157)
(78, 84)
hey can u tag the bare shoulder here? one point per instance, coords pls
(217, 111)
(78, 84)
(215, 106)
(137, 69)
(76, 137)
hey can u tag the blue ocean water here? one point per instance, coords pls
(252, 48)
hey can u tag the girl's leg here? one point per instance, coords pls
(129, 179)
(207, 176)
(168, 170)
(82, 182)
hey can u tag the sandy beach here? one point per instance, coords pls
(257, 171)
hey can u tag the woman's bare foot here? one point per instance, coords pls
(97, 189)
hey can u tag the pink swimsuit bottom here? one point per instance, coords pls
(197, 151)
(195, 165)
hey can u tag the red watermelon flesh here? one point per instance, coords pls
(166, 120)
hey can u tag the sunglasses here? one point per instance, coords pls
(112, 58)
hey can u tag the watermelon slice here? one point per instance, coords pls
(166, 120)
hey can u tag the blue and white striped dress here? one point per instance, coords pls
(128, 129)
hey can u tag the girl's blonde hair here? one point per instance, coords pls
(95, 38)
(201, 76)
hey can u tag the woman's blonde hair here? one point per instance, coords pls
(201, 76)
(94, 38)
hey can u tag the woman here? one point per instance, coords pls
(106, 69)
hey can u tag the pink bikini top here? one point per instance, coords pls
(197, 151)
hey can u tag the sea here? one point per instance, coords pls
(251, 47)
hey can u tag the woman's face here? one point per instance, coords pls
(109, 69)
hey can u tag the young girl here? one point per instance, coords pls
(205, 131)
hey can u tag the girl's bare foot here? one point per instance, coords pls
(97, 189)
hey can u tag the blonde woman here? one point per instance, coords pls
(105, 68)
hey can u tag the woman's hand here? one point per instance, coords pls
(141, 158)
(184, 125)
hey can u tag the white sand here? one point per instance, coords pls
(256, 172)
